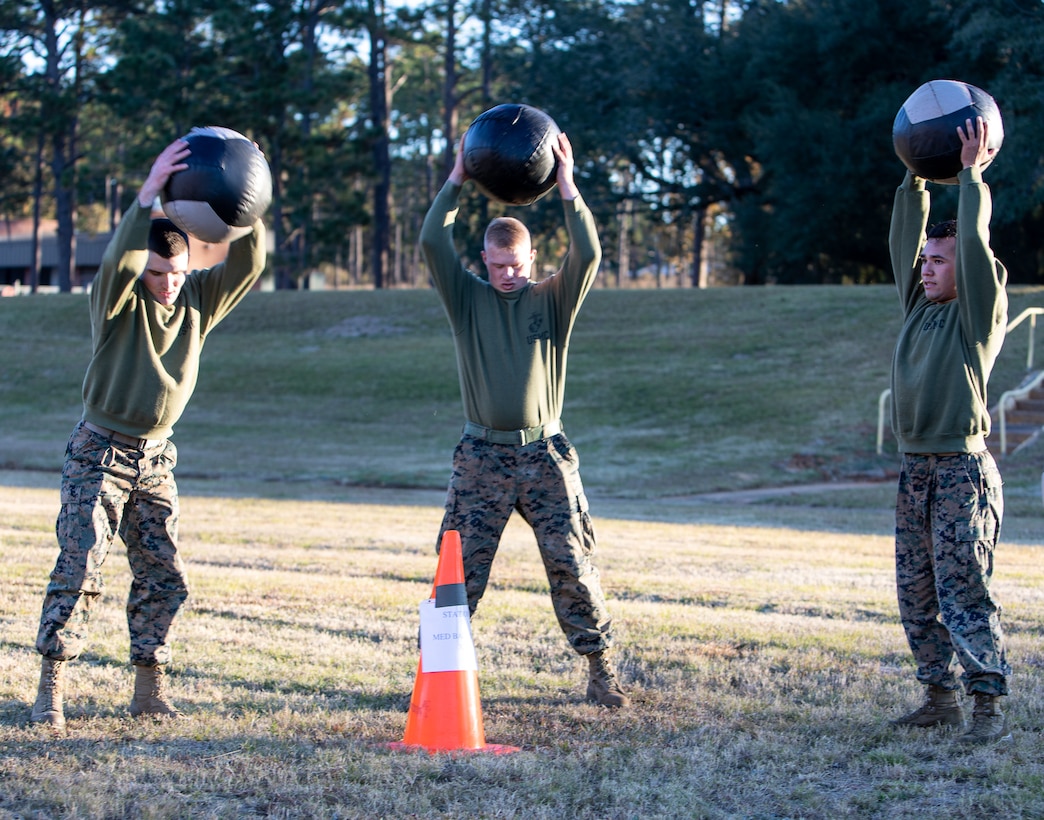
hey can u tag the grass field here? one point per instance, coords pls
(757, 632)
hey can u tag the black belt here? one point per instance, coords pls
(944, 455)
(113, 435)
(527, 435)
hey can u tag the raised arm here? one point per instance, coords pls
(170, 160)
(564, 153)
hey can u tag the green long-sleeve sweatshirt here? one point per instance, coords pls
(945, 352)
(145, 357)
(511, 348)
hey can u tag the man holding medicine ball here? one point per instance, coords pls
(512, 337)
(149, 320)
(950, 504)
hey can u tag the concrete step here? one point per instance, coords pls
(1015, 433)
(1023, 421)
(1022, 416)
(1014, 436)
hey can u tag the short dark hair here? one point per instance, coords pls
(506, 232)
(166, 239)
(943, 230)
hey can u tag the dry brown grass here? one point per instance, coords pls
(760, 643)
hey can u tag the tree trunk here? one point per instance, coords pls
(358, 256)
(380, 105)
(700, 273)
(65, 207)
(450, 112)
(63, 120)
(114, 190)
(37, 255)
(623, 250)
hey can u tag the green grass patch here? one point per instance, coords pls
(671, 392)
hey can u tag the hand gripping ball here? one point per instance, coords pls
(925, 129)
(225, 188)
(508, 153)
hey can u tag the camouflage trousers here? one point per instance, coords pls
(110, 488)
(948, 518)
(542, 482)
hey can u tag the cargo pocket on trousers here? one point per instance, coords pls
(977, 528)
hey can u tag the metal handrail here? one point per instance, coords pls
(1007, 401)
(1011, 396)
(882, 400)
(1031, 314)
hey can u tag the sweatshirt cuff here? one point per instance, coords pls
(970, 175)
(575, 205)
(912, 182)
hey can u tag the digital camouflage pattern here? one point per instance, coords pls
(542, 481)
(948, 517)
(110, 488)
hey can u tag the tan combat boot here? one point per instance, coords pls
(988, 722)
(602, 686)
(940, 708)
(48, 707)
(150, 694)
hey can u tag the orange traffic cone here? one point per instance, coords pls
(445, 710)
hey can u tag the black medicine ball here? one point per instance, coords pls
(508, 153)
(924, 133)
(225, 188)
